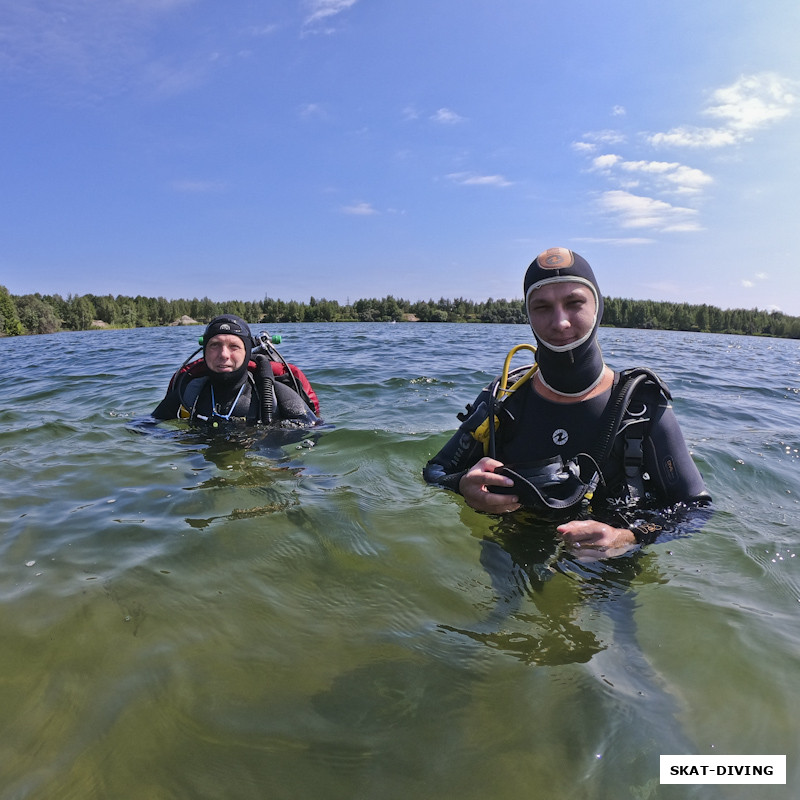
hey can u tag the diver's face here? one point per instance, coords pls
(225, 353)
(562, 314)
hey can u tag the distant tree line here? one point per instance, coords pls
(37, 313)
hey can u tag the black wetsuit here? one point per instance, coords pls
(536, 429)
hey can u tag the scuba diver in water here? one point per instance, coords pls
(239, 379)
(569, 438)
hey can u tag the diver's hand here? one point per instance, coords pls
(474, 488)
(595, 539)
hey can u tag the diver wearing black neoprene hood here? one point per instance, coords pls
(238, 382)
(568, 435)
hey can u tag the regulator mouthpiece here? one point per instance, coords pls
(265, 338)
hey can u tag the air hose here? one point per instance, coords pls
(266, 389)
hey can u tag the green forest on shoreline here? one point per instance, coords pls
(37, 313)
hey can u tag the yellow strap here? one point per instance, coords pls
(481, 433)
(507, 365)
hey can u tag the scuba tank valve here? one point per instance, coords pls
(263, 343)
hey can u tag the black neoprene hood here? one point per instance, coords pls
(576, 368)
(230, 324)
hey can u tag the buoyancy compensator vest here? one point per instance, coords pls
(614, 462)
(283, 392)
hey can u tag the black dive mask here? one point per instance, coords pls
(551, 486)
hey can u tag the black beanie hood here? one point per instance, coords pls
(231, 325)
(575, 368)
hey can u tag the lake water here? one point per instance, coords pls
(189, 618)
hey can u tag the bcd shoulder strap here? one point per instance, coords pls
(633, 430)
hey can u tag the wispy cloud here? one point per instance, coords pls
(704, 138)
(196, 186)
(472, 179)
(164, 79)
(758, 277)
(312, 111)
(320, 10)
(751, 103)
(445, 116)
(85, 41)
(643, 189)
(590, 142)
(635, 211)
(360, 209)
(662, 175)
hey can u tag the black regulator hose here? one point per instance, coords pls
(266, 389)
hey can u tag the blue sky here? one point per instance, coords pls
(424, 148)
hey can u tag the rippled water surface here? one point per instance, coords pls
(191, 618)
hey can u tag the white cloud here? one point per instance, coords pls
(688, 180)
(664, 175)
(754, 101)
(759, 276)
(360, 209)
(605, 162)
(605, 137)
(751, 103)
(590, 142)
(706, 138)
(323, 9)
(312, 110)
(635, 211)
(683, 179)
(446, 117)
(618, 111)
(471, 179)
